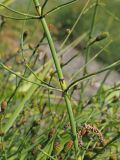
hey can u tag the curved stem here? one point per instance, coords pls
(90, 35)
(60, 6)
(42, 83)
(15, 18)
(88, 76)
(20, 13)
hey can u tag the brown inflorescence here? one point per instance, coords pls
(86, 129)
(66, 126)
(3, 106)
(57, 147)
(51, 133)
(68, 146)
(95, 130)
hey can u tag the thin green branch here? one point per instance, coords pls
(93, 19)
(60, 6)
(43, 84)
(116, 18)
(43, 6)
(88, 51)
(115, 64)
(90, 60)
(6, 2)
(36, 75)
(75, 24)
(15, 18)
(90, 34)
(17, 12)
(25, 71)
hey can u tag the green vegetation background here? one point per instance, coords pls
(107, 19)
(103, 112)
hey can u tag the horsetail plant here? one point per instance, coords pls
(59, 73)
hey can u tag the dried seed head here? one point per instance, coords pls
(36, 122)
(51, 27)
(2, 21)
(58, 147)
(25, 34)
(86, 129)
(3, 106)
(95, 130)
(68, 146)
(112, 158)
(30, 46)
(60, 157)
(51, 71)
(80, 142)
(102, 36)
(2, 133)
(21, 122)
(51, 133)
(79, 134)
(84, 132)
(66, 126)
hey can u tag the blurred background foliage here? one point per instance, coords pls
(40, 114)
(107, 19)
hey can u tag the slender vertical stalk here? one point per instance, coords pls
(90, 33)
(88, 53)
(60, 75)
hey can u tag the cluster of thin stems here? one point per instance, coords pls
(64, 88)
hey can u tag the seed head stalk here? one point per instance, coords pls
(60, 75)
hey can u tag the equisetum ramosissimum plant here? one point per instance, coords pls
(41, 116)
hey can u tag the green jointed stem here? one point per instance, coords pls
(60, 75)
